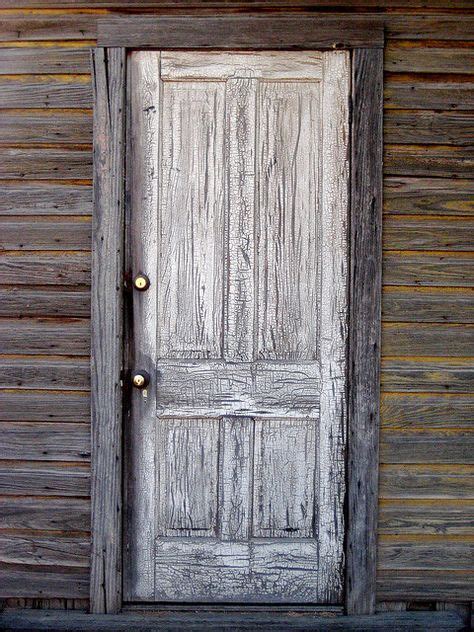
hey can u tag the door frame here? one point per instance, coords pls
(111, 277)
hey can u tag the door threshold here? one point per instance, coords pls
(315, 610)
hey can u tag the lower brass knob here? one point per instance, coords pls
(141, 379)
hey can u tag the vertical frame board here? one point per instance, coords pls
(365, 40)
(109, 76)
(365, 328)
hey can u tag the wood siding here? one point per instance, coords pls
(426, 529)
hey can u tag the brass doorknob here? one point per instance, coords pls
(140, 379)
(141, 282)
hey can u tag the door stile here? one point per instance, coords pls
(143, 182)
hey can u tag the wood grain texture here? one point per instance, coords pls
(431, 410)
(44, 372)
(109, 79)
(364, 343)
(427, 445)
(43, 336)
(430, 233)
(45, 164)
(25, 60)
(44, 479)
(428, 160)
(24, 27)
(45, 234)
(239, 32)
(67, 551)
(443, 305)
(45, 199)
(45, 91)
(442, 555)
(45, 406)
(16, 301)
(57, 269)
(428, 127)
(232, 4)
(406, 57)
(428, 269)
(33, 127)
(44, 581)
(428, 94)
(442, 375)
(67, 515)
(423, 585)
(430, 517)
(432, 196)
(429, 481)
(428, 339)
(30, 441)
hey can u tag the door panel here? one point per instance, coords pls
(238, 206)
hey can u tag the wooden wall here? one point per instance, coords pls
(427, 479)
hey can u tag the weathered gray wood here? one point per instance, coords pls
(39, 373)
(45, 234)
(428, 127)
(239, 32)
(57, 269)
(444, 555)
(426, 160)
(406, 410)
(48, 550)
(427, 339)
(441, 305)
(23, 27)
(427, 446)
(431, 517)
(68, 128)
(70, 621)
(19, 405)
(429, 233)
(45, 164)
(48, 60)
(428, 269)
(45, 91)
(109, 80)
(16, 301)
(18, 580)
(410, 57)
(424, 375)
(428, 196)
(33, 441)
(45, 514)
(45, 199)
(364, 336)
(44, 479)
(31, 336)
(414, 93)
(438, 26)
(425, 585)
(426, 481)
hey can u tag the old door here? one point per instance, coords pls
(238, 186)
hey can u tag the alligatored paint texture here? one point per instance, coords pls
(426, 530)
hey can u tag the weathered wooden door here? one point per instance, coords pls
(238, 182)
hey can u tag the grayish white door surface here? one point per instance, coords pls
(239, 207)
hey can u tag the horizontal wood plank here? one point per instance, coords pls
(437, 26)
(47, 550)
(410, 57)
(443, 555)
(54, 233)
(45, 478)
(45, 164)
(424, 585)
(428, 94)
(45, 441)
(44, 336)
(428, 196)
(426, 481)
(45, 91)
(44, 373)
(427, 375)
(45, 514)
(428, 160)
(426, 517)
(408, 410)
(58, 269)
(414, 233)
(428, 127)
(21, 27)
(17, 301)
(440, 269)
(48, 60)
(45, 199)
(45, 406)
(427, 339)
(46, 126)
(425, 305)
(29, 580)
(192, 5)
(427, 446)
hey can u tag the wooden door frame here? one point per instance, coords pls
(365, 39)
